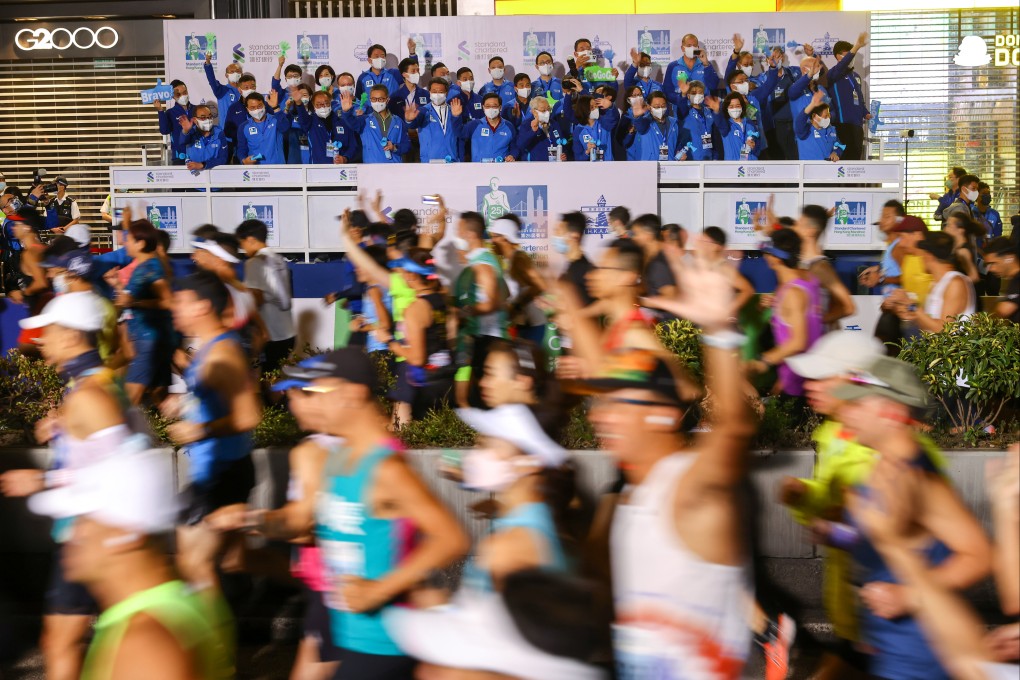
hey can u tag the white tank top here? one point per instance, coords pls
(933, 303)
(678, 616)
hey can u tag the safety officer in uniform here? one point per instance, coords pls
(64, 208)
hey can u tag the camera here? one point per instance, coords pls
(904, 134)
(50, 188)
(37, 176)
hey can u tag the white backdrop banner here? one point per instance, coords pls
(494, 189)
(472, 40)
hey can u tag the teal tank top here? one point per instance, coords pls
(354, 543)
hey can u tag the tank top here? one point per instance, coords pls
(307, 564)
(202, 404)
(354, 543)
(789, 382)
(532, 315)
(203, 629)
(889, 267)
(538, 520)
(678, 617)
(437, 350)
(493, 324)
(936, 297)
(371, 314)
(613, 339)
(915, 278)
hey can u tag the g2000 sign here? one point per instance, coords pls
(83, 37)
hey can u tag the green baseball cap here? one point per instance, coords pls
(886, 377)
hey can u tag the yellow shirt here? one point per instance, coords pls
(914, 278)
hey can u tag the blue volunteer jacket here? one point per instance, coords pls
(800, 95)
(704, 132)
(533, 145)
(993, 221)
(779, 100)
(543, 88)
(438, 143)
(815, 144)
(624, 137)
(472, 102)
(947, 200)
(398, 99)
(168, 125)
(599, 133)
(369, 127)
(699, 71)
(263, 137)
(489, 145)
(323, 131)
(630, 80)
(651, 137)
(505, 91)
(226, 96)
(848, 104)
(390, 77)
(236, 118)
(734, 134)
(209, 149)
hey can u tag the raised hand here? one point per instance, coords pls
(534, 124)
(346, 101)
(186, 123)
(712, 103)
(816, 99)
(295, 94)
(456, 107)
(208, 57)
(605, 103)
(411, 47)
(704, 297)
(639, 108)
(862, 40)
(410, 112)
(809, 50)
(635, 56)
(684, 87)
(703, 56)
(281, 60)
(158, 104)
(738, 43)
(273, 99)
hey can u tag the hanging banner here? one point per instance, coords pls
(472, 40)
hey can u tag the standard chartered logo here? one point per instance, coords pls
(83, 37)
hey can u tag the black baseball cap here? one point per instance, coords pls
(940, 245)
(348, 364)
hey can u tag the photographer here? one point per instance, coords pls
(62, 211)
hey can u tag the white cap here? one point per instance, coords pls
(80, 311)
(507, 229)
(516, 424)
(216, 249)
(81, 233)
(130, 491)
(837, 353)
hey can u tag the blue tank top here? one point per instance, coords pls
(371, 315)
(354, 543)
(536, 518)
(204, 405)
(890, 267)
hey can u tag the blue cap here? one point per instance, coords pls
(407, 264)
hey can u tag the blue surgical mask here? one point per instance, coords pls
(560, 245)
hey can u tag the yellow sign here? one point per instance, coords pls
(1007, 50)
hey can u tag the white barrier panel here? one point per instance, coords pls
(471, 41)
(301, 203)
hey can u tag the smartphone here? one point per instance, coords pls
(697, 53)
(430, 199)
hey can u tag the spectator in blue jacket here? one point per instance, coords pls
(292, 77)
(545, 137)
(238, 113)
(517, 110)
(741, 136)
(693, 65)
(297, 150)
(378, 74)
(204, 143)
(260, 137)
(499, 83)
(410, 90)
(640, 74)
(849, 107)
(986, 213)
(780, 135)
(492, 139)
(383, 136)
(816, 139)
(330, 140)
(804, 88)
(438, 129)
(659, 136)
(700, 122)
(755, 99)
(624, 134)
(546, 84)
(464, 89)
(952, 192)
(226, 95)
(170, 119)
(592, 123)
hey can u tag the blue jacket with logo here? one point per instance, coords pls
(703, 129)
(800, 95)
(489, 145)
(848, 105)
(993, 221)
(699, 71)
(437, 143)
(237, 116)
(505, 91)
(472, 102)
(323, 131)
(600, 132)
(630, 80)
(209, 149)
(543, 88)
(650, 136)
(373, 140)
(734, 134)
(947, 200)
(815, 144)
(226, 96)
(533, 145)
(168, 125)
(263, 137)
(390, 77)
(398, 99)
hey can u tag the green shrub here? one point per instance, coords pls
(439, 429)
(983, 349)
(29, 389)
(683, 339)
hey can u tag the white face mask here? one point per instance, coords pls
(305, 100)
(233, 77)
(542, 116)
(492, 114)
(970, 195)
(523, 92)
(346, 89)
(689, 52)
(322, 111)
(747, 70)
(467, 86)
(413, 78)
(325, 81)
(545, 69)
(60, 285)
(742, 88)
(497, 73)
(658, 112)
(736, 113)
(183, 100)
(461, 244)
(257, 114)
(378, 107)
(634, 101)
(378, 63)
(245, 93)
(594, 115)
(487, 470)
(293, 82)
(205, 125)
(438, 98)
(645, 71)
(824, 122)
(697, 99)
(816, 76)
